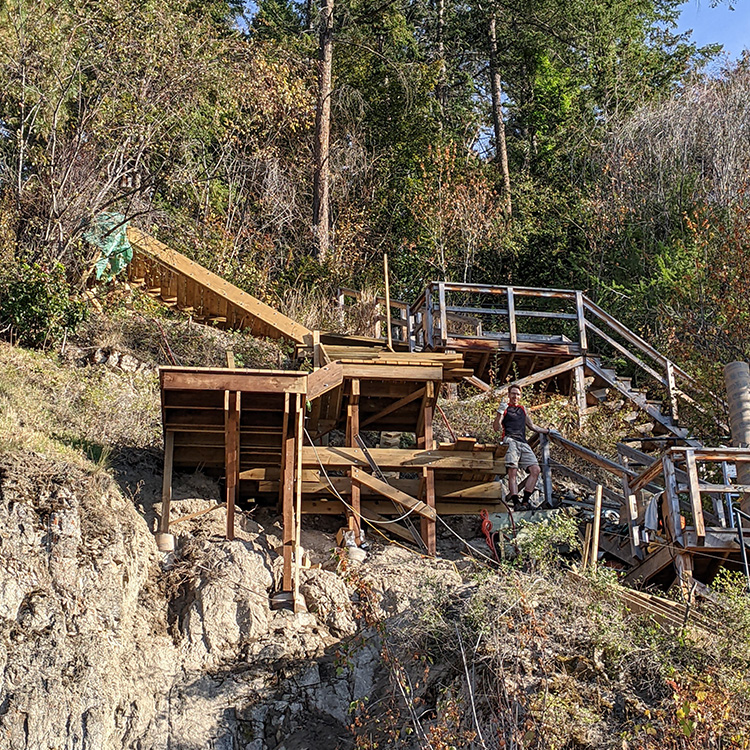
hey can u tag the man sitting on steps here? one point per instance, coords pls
(514, 420)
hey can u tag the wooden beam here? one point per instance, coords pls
(352, 430)
(546, 467)
(399, 459)
(695, 497)
(278, 325)
(393, 407)
(580, 386)
(673, 516)
(378, 371)
(232, 407)
(512, 317)
(598, 460)
(324, 379)
(581, 322)
(550, 372)
(214, 379)
(287, 494)
(596, 527)
(166, 486)
(393, 494)
(428, 530)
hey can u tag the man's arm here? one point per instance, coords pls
(496, 426)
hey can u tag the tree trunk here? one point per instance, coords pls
(441, 83)
(501, 152)
(321, 187)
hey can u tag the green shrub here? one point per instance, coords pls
(36, 304)
(541, 543)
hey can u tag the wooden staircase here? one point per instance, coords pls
(180, 282)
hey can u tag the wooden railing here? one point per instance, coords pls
(577, 322)
(677, 470)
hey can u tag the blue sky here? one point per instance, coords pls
(728, 27)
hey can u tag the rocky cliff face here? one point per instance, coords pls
(105, 643)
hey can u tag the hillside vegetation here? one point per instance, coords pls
(585, 145)
(288, 147)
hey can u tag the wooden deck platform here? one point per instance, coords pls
(263, 432)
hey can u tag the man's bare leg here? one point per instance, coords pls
(513, 480)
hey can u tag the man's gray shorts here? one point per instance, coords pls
(519, 454)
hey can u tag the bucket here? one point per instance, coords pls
(164, 542)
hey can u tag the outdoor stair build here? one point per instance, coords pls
(180, 282)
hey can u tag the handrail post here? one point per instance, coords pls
(443, 314)
(427, 331)
(672, 388)
(512, 317)
(581, 323)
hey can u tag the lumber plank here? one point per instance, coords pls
(695, 498)
(401, 459)
(391, 493)
(324, 379)
(222, 379)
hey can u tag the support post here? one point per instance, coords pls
(299, 432)
(581, 323)
(580, 386)
(231, 454)
(512, 318)
(166, 486)
(443, 314)
(428, 327)
(389, 330)
(695, 497)
(546, 467)
(287, 498)
(352, 430)
(428, 526)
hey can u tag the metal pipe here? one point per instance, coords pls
(737, 380)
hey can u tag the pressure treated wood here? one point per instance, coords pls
(246, 310)
(391, 493)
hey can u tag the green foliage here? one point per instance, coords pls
(36, 303)
(540, 543)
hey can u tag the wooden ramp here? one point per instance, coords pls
(185, 284)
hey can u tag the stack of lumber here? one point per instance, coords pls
(452, 363)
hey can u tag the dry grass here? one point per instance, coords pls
(81, 415)
(177, 340)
